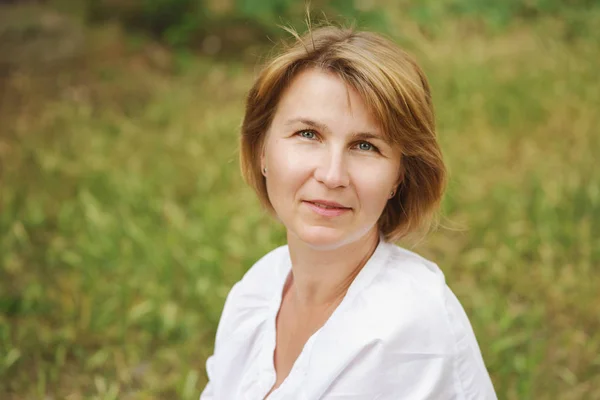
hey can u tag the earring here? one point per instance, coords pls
(392, 193)
(265, 170)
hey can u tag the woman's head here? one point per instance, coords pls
(346, 117)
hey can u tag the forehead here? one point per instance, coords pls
(325, 97)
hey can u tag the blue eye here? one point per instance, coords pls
(366, 146)
(307, 134)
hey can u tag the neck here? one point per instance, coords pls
(321, 278)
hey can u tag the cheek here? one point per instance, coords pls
(374, 197)
(373, 187)
(287, 170)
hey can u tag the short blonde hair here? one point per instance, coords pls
(398, 95)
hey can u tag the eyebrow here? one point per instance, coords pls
(308, 122)
(323, 127)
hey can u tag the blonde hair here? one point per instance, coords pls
(397, 93)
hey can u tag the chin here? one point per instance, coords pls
(322, 237)
(326, 237)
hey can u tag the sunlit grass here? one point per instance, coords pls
(124, 220)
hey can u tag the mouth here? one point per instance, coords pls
(327, 208)
(325, 204)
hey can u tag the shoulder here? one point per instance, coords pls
(412, 310)
(267, 272)
(409, 268)
(261, 280)
(406, 302)
(247, 304)
(420, 285)
(407, 277)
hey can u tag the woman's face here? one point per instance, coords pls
(329, 170)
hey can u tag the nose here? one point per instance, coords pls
(332, 169)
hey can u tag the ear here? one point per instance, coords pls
(263, 151)
(400, 177)
(263, 163)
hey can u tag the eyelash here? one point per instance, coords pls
(299, 133)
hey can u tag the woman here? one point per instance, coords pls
(338, 140)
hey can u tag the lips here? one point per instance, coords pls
(325, 208)
(326, 204)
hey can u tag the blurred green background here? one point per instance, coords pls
(124, 220)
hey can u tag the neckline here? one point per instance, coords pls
(362, 279)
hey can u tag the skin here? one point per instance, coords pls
(323, 144)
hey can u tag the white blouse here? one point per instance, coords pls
(399, 333)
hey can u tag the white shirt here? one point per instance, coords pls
(399, 333)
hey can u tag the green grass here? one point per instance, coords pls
(124, 221)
